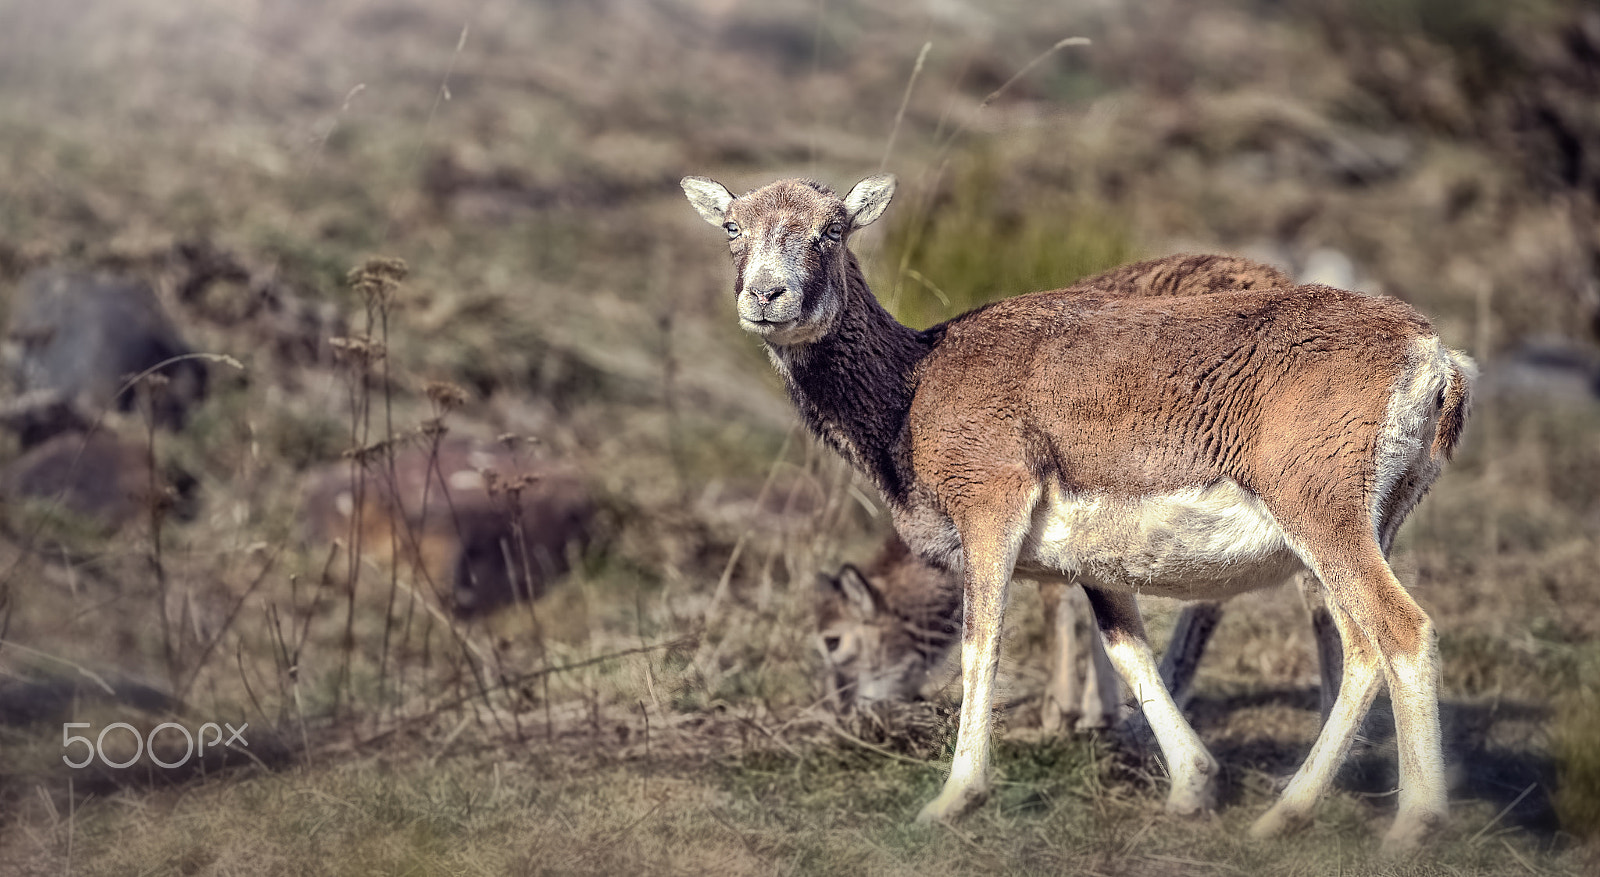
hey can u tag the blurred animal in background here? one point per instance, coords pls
(493, 524)
(885, 631)
(99, 480)
(46, 699)
(73, 341)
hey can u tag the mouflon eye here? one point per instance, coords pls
(732, 228)
(831, 642)
(834, 232)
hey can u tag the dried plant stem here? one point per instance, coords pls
(397, 515)
(154, 508)
(905, 100)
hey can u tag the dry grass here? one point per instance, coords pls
(658, 712)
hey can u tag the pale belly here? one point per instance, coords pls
(1196, 544)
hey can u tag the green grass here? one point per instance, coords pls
(986, 235)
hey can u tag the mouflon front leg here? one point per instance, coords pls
(1087, 700)
(1102, 690)
(990, 539)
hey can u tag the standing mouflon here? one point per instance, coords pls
(885, 630)
(1193, 447)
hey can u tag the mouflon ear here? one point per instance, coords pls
(862, 596)
(866, 202)
(709, 197)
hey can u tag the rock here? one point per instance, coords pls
(76, 338)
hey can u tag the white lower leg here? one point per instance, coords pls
(1414, 689)
(1193, 770)
(969, 781)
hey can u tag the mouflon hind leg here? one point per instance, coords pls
(1385, 632)
(1355, 693)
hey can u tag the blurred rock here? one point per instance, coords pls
(1552, 369)
(75, 338)
(497, 526)
(99, 479)
(39, 414)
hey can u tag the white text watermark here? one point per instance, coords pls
(96, 747)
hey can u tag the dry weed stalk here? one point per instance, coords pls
(372, 453)
(922, 207)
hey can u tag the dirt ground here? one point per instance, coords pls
(659, 710)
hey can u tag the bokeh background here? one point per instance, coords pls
(658, 708)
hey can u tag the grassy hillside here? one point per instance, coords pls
(659, 710)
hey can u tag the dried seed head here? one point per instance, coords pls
(378, 279)
(357, 349)
(445, 395)
(370, 453)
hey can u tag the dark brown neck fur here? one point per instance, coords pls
(854, 385)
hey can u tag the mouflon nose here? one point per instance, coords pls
(767, 294)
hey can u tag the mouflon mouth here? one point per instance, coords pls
(764, 326)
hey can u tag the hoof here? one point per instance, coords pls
(1053, 718)
(950, 806)
(1194, 793)
(1191, 803)
(1094, 722)
(1278, 821)
(1410, 831)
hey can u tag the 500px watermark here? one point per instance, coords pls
(96, 747)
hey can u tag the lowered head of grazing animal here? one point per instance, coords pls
(885, 632)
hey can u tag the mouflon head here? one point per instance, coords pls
(869, 652)
(789, 242)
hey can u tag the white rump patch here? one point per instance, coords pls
(1198, 543)
(1404, 456)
